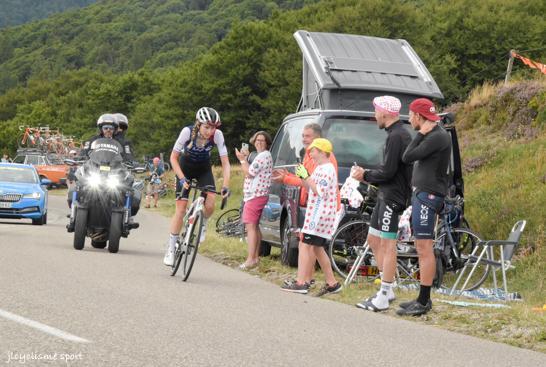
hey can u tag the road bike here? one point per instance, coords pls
(229, 223)
(452, 247)
(190, 235)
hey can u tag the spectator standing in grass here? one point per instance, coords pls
(256, 193)
(431, 152)
(310, 132)
(393, 178)
(321, 219)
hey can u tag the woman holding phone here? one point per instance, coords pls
(256, 192)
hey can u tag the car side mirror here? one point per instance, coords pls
(45, 182)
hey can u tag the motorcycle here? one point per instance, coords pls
(104, 197)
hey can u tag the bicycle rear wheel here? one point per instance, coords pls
(344, 243)
(461, 243)
(191, 247)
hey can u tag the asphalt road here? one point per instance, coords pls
(59, 306)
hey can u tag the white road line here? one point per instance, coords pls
(42, 327)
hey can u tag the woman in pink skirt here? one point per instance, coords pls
(256, 193)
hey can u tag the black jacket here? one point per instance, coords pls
(393, 177)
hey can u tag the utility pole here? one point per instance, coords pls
(509, 68)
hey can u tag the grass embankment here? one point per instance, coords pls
(503, 141)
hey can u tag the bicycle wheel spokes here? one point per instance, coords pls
(178, 254)
(226, 221)
(463, 241)
(192, 246)
(344, 244)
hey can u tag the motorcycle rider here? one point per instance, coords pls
(123, 126)
(107, 125)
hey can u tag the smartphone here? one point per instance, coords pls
(244, 146)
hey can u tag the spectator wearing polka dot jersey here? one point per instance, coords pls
(256, 192)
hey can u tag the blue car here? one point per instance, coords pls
(22, 194)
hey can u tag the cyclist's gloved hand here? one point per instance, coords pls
(184, 183)
(301, 172)
(225, 192)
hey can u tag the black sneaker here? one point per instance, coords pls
(406, 304)
(336, 288)
(414, 309)
(296, 288)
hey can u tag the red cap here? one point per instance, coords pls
(425, 108)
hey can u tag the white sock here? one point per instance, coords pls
(381, 299)
(172, 241)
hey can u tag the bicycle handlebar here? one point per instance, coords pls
(193, 185)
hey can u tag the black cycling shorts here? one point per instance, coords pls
(202, 172)
(385, 218)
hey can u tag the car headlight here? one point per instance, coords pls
(113, 182)
(34, 195)
(93, 180)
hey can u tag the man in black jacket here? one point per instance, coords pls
(393, 179)
(431, 152)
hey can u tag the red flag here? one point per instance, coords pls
(531, 63)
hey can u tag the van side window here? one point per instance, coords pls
(355, 140)
(287, 147)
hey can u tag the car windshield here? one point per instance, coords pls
(17, 174)
(357, 140)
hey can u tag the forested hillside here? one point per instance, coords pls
(14, 12)
(124, 35)
(252, 75)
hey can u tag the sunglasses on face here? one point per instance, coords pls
(111, 128)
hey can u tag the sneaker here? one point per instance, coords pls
(408, 303)
(169, 258)
(293, 280)
(296, 288)
(414, 308)
(336, 288)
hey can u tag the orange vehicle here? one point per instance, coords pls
(48, 165)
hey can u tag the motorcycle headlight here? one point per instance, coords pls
(94, 180)
(34, 195)
(113, 182)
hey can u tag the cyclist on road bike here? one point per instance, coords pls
(190, 159)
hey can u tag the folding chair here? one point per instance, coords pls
(507, 250)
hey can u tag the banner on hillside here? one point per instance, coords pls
(530, 63)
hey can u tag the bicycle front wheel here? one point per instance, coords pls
(461, 242)
(190, 252)
(343, 246)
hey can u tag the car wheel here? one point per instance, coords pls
(40, 221)
(289, 247)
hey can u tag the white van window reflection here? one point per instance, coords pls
(288, 147)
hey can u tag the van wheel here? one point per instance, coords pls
(289, 245)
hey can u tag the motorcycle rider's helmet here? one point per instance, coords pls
(107, 119)
(122, 120)
(208, 115)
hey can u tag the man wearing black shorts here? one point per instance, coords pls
(393, 179)
(431, 152)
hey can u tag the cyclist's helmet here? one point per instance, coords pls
(107, 119)
(208, 115)
(122, 120)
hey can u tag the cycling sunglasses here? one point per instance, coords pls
(108, 127)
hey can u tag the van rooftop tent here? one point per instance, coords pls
(342, 71)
